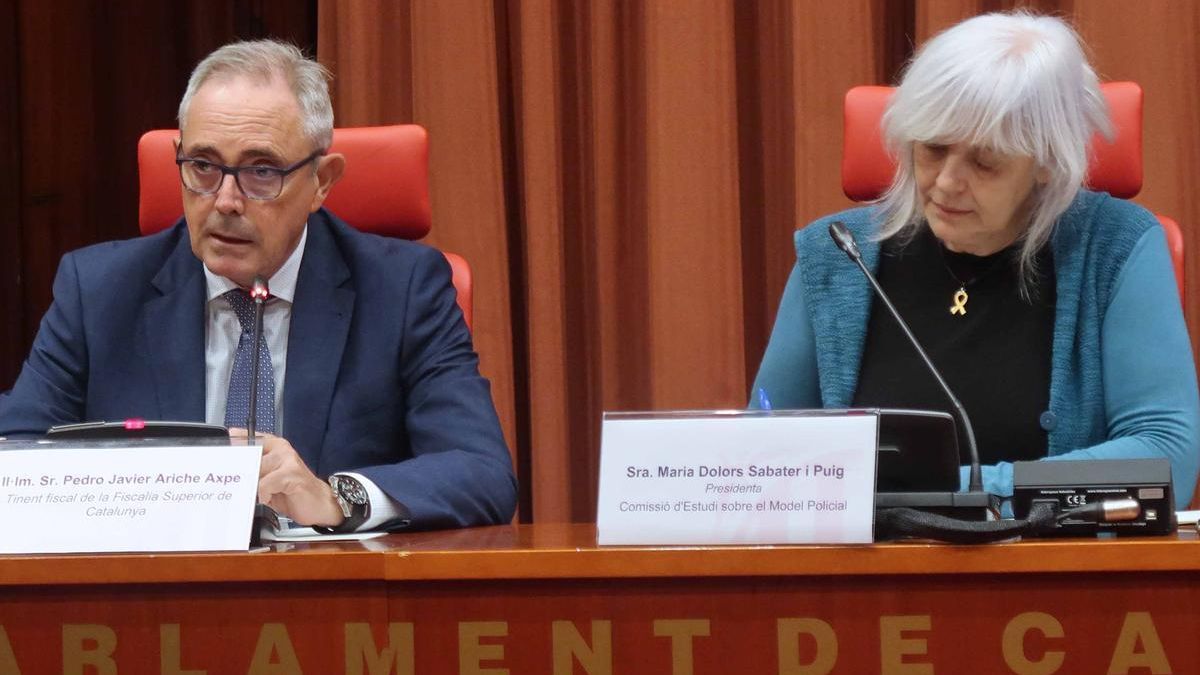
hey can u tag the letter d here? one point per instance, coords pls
(825, 656)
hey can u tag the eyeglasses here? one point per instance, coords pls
(260, 182)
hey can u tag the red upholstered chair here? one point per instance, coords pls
(1115, 167)
(385, 189)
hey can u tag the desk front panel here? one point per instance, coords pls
(801, 616)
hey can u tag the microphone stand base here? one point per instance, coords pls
(974, 506)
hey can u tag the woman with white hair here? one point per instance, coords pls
(1051, 310)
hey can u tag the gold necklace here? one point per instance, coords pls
(960, 297)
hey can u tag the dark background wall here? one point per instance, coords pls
(80, 81)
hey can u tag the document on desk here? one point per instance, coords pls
(737, 477)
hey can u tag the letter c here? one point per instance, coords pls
(1013, 644)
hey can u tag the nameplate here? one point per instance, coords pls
(121, 499)
(795, 477)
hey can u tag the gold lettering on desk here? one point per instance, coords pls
(681, 632)
(397, 656)
(1012, 644)
(894, 646)
(472, 652)
(8, 660)
(88, 644)
(274, 654)
(170, 651)
(1139, 628)
(570, 647)
(826, 646)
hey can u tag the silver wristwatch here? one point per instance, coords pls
(353, 499)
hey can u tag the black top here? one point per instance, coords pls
(995, 357)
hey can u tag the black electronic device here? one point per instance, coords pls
(918, 452)
(1071, 484)
(137, 429)
(974, 503)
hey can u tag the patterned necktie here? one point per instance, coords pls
(237, 404)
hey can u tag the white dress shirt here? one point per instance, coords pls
(221, 333)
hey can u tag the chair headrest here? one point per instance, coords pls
(385, 188)
(867, 168)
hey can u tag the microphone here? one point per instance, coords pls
(844, 238)
(259, 294)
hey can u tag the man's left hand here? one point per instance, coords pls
(286, 484)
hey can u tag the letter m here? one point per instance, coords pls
(396, 657)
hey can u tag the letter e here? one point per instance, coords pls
(894, 646)
(471, 651)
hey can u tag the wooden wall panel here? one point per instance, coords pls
(83, 80)
(692, 206)
(338, 49)
(455, 95)
(1155, 44)
(535, 34)
(57, 187)
(12, 306)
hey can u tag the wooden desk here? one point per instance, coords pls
(546, 600)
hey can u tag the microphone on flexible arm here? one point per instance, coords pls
(845, 240)
(265, 518)
(957, 517)
(921, 514)
(259, 294)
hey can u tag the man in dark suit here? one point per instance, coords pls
(367, 365)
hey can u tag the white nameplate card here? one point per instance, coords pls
(790, 477)
(119, 499)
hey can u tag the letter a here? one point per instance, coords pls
(1139, 627)
(273, 640)
(8, 660)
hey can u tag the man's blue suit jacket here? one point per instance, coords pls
(381, 374)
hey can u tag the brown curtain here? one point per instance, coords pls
(624, 177)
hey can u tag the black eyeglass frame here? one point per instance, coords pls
(236, 171)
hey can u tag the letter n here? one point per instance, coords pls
(397, 656)
(569, 647)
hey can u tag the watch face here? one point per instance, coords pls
(351, 490)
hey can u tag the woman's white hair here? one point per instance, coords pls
(264, 60)
(1014, 83)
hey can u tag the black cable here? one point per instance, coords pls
(902, 522)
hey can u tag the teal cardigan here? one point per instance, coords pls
(1122, 381)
